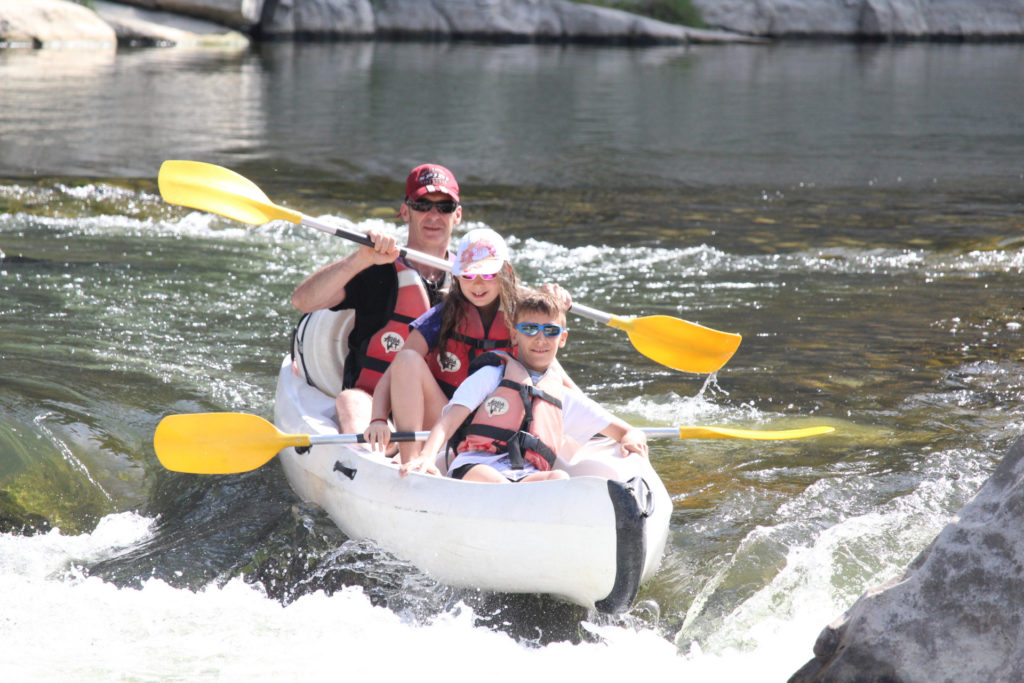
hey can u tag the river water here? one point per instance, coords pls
(853, 211)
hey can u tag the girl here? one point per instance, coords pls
(474, 318)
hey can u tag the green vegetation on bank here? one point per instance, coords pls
(671, 11)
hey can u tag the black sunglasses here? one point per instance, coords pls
(425, 205)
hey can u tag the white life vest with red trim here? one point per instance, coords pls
(450, 366)
(411, 302)
(520, 418)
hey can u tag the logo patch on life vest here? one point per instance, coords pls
(496, 406)
(392, 342)
(449, 362)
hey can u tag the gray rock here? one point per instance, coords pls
(52, 24)
(141, 27)
(238, 14)
(513, 20)
(957, 614)
(878, 19)
(546, 20)
(341, 18)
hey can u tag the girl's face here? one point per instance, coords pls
(480, 292)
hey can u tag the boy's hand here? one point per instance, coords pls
(423, 463)
(635, 441)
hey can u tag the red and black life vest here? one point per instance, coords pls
(520, 418)
(450, 366)
(410, 303)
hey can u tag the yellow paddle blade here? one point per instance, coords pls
(219, 443)
(758, 434)
(219, 190)
(679, 344)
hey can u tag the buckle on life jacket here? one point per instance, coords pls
(521, 442)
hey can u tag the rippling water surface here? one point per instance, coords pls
(854, 212)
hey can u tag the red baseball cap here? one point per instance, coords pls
(431, 178)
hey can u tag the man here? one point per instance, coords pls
(386, 292)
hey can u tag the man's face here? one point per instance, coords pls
(537, 352)
(431, 229)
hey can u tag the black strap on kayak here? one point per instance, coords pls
(299, 335)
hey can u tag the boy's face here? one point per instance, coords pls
(538, 352)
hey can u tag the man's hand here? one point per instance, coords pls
(385, 247)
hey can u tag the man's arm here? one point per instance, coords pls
(326, 287)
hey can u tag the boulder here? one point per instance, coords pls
(509, 20)
(328, 18)
(52, 24)
(873, 19)
(956, 614)
(523, 20)
(242, 15)
(139, 27)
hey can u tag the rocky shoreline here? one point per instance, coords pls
(58, 24)
(105, 24)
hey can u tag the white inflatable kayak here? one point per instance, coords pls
(592, 539)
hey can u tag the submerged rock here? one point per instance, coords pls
(956, 614)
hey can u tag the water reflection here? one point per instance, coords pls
(535, 116)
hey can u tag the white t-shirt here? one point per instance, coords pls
(582, 418)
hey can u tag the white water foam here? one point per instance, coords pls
(57, 625)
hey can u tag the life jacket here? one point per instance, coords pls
(410, 303)
(450, 366)
(519, 417)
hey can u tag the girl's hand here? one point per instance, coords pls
(378, 435)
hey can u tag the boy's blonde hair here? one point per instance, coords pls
(536, 301)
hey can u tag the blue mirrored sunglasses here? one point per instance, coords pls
(531, 329)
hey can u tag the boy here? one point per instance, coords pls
(522, 408)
